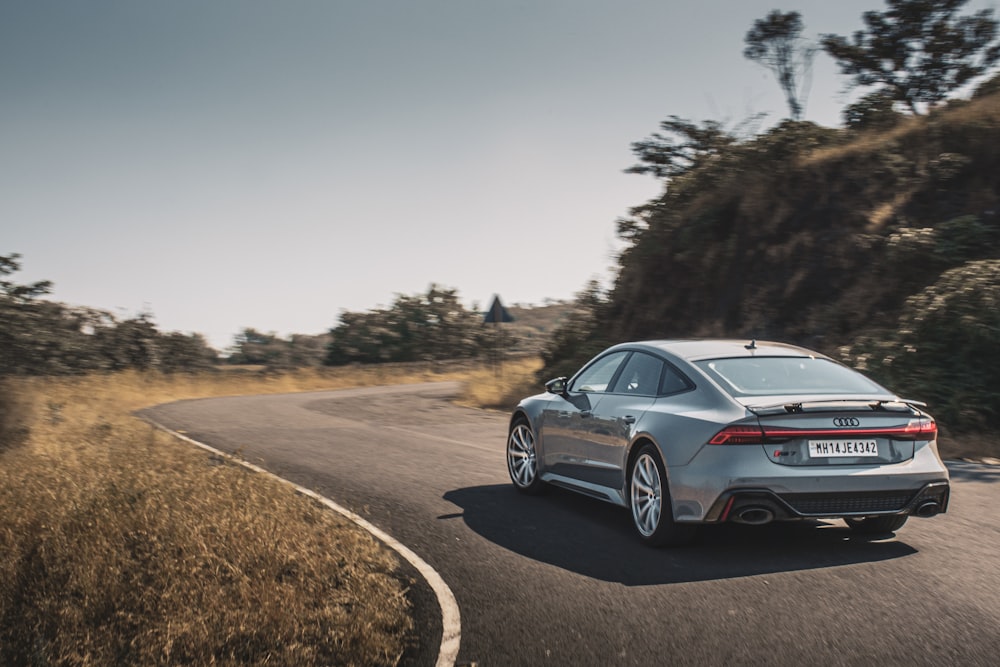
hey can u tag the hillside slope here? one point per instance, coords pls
(818, 236)
(812, 234)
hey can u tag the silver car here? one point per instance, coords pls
(688, 432)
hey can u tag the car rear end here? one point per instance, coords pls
(830, 459)
(819, 441)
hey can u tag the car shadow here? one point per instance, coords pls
(595, 539)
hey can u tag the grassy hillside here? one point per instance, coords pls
(829, 238)
(814, 234)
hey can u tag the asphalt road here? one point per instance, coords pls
(559, 579)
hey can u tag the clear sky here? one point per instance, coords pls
(248, 163)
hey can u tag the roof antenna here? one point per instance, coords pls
(752, 345)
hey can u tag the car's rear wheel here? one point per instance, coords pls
(522, 463)
(649, 496)
(876, 525)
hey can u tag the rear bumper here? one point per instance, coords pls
(929, 500)
(718, 475)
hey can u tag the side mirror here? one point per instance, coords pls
(556, 386)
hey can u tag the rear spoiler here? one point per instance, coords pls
(797, 406)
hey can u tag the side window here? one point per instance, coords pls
(599, 374)
(673, 382)
(640, 376)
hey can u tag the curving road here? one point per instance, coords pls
(560, 580)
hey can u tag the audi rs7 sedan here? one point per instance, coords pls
(688, 432)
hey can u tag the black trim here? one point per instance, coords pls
(864, 503)
(690, 385)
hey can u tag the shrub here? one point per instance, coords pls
(946, 349)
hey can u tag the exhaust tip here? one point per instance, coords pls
(928, 509)
(754, 516)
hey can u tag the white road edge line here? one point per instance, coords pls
(451, 622)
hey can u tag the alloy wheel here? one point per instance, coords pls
(521, 456)
(647, 494)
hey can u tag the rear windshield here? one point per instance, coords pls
(774, 376)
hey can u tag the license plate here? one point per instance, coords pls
(824, 449)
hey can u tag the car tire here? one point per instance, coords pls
(876, 525)
(522, 464)
(649, 501)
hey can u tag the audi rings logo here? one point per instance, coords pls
(846, 421)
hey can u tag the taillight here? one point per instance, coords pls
(738, 434)
(921, 428)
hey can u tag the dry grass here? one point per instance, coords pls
(501, 388)
(871, 141)
(121, 546)
(886, 211)
(981, 111)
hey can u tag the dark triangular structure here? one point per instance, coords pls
(497, 313)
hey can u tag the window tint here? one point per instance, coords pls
(764, 376)
(599, 374)
(641, 376)
(673, 382)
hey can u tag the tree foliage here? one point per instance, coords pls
(253, 347)
(775, 42)
(917, 51)
(13, 293)
(874, 111)
(683, 146)
(421, 327)
(42, 337)
(800, 234)
(580, 336)
(944, 346)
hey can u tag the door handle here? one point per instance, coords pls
(628, 419)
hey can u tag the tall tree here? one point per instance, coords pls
(775, 42)
(917, 51)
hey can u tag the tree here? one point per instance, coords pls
(775, 43)
(29, 326)
(41, 337)
(257, 348)
(691, 144)
(19, 294)
(185, 353)
(306, 350)
(917, 51)
(422, 327)
(943, 348)
(580, 336)
(131, 343)
(873, 111)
